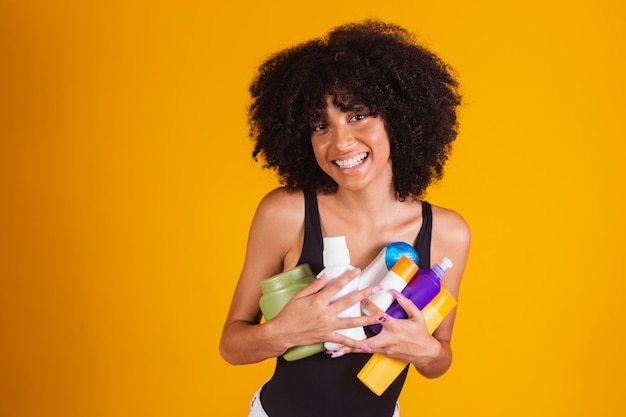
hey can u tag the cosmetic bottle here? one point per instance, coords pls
(384, 261)
(277, 291)
(395, 279)
(337, 261)
(422, 288)
(380, 371)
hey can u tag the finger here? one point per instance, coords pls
(363, 348)
(314, 287)
(355, 297)
(344, 350)
(409, 307)
(348, 344)
(371, 308)
(333, 288)
(350, 322)
(376, 313)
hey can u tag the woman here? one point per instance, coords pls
(357, 125)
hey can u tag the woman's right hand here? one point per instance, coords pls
(311, 317)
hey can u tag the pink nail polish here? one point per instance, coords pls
(383, 319)
(377, 288)
(398, 294)
(366, 349)
(337, 354)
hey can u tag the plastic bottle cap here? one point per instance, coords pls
(446, 263)
(440, 269)
(405, 268)
(394, 251)
(286, 278)
(336, 251)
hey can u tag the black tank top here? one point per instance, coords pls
(320, 385)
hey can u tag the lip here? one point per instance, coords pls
(352, 161)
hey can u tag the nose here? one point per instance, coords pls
(342, 137)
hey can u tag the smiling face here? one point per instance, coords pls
(351, 145)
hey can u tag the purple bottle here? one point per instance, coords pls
(421, 289)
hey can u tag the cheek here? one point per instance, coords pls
(380, 141)
(319, 150)
(378, 134)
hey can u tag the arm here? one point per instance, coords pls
(408, 340)
(274, 245)
(243, 339)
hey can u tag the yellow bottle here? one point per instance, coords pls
(380, 371)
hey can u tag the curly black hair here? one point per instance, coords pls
(376, 64)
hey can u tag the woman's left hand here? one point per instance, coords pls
(407, 340)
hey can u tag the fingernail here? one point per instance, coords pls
(398, 294)
(383, 319)
(337, 354)
(366, 349)
(377, 288)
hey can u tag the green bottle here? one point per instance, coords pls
(277, 291)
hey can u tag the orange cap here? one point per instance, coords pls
(405, 268)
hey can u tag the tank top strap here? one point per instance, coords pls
(422, 242)
(313, 246)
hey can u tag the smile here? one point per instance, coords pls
(352, 162)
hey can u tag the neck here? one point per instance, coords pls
(372, 205)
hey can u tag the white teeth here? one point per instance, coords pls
(352, 162)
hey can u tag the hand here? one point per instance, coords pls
(311, 317)
(407, 339)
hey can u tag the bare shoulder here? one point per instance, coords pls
(449, 227)
(277, 228)
(281, 206)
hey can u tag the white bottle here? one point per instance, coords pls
(395, 279)
(384, 261)
(336, 262)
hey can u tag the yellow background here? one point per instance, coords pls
(127, 189)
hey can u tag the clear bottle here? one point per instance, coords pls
(384, 261)
(380, 371)
(277, 291)
(337, 261)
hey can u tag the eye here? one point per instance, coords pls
(319, 127)
(359, 116)
(359, 112)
